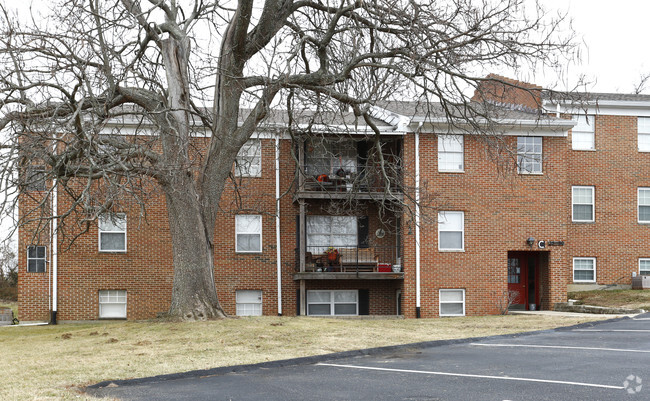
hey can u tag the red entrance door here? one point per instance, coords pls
(517, 282)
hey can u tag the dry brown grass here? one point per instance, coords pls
(49, 362)
(632, 299)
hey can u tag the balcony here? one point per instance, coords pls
(349, 168)
(336, 263)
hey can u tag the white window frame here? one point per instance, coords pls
(639, 204)
(111, 217)
(585, 127)
(592, 204)
(440, 301)
(523, 155)
(574, 269)
(241, 306)
(248, 162)
(643, 130)
(332, 303)
(336, 240)
(449, 145)
(44, 258)
(238, 233)
(647, 270)
(441, 221)
(112, 293)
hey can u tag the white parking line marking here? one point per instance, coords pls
(641, 318)
(562, 347)
(621, 330)
(426, 372)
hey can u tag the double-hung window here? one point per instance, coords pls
(582, 204)
(643, 134)
(36, 259)
(112, 304)
(248, 233)
(451, 231)
(249, 159)
(529, 155)
(249, 302)
(112, 232)
(452, 302)
(584, 270)
(450, 153)
(644, 205)
(329, 303)
(583, 134)
(644, 266)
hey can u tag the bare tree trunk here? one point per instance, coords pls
(194, 295)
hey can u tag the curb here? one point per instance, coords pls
(309, 360)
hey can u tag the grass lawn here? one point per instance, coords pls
(49, 362)
(632, 299)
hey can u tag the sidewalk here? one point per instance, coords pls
(572, 314)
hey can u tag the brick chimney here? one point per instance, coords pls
(509, 93)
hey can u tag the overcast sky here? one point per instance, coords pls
(614, 35)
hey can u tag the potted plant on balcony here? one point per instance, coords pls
(332, 256)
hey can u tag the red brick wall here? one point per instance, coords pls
(615, 169)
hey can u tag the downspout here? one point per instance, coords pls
(55, 251)
(417, 221)
(277, 222)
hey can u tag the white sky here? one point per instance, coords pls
(614, 35)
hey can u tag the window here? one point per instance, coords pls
(112, 304)
(328, 303)
(529, 155)
(328, 157)
(36, 259)
(249, 159)
(583, 204)
(248, 233)
(112, 232)
(643, 129)
(644, 205)
(451, 227)
(450, 153)
(644, 266)
(452, 302)
(35, 179)
(583, 134)
(335, 231)
(249, 302)
(584, 270)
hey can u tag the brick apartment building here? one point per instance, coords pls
(557, 199)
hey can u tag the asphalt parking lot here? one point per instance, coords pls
(602, 361)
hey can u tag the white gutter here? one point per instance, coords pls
(417, 221)
(277, 222)
(55, 251)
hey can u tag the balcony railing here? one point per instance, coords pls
(351, 179)
(351, 259)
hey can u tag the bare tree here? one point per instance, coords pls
(172, 70)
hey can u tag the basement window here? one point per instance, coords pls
(452, 302)
(584, 270)
(36, 259)
(112, 304)
(249, 302)
(644, 266)
(333, 303)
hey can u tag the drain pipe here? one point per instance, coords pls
(277, 222)
(55, 252)
(417, 221)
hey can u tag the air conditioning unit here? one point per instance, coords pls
(641, 282)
